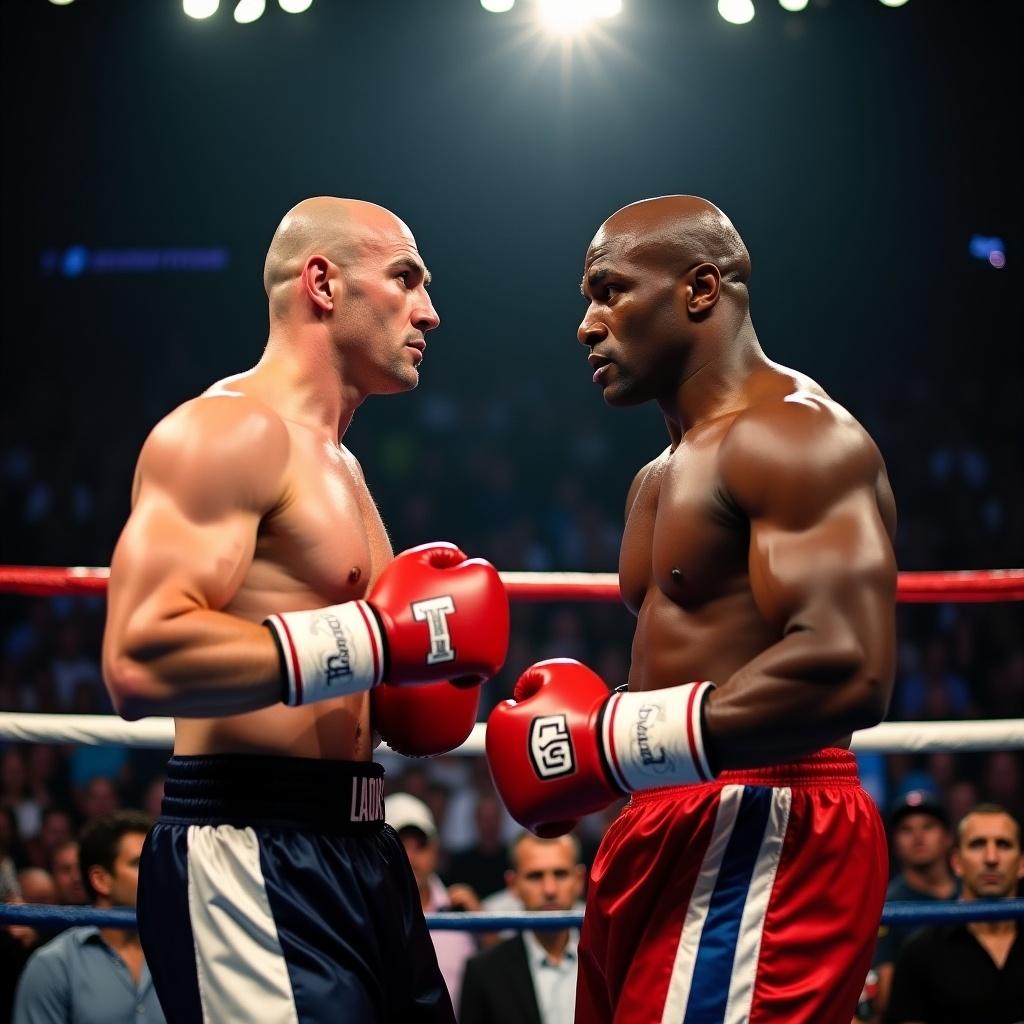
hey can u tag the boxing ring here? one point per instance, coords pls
(890, 737)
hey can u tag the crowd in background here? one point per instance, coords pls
(544, 502)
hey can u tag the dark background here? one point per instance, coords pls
(857, 149)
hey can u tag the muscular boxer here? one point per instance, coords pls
(745, 879)
(254, 597)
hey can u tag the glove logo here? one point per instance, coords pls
(337, 666)
(551, 750)
(435, 612)
(650, 754)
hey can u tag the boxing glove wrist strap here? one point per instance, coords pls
(329, 652)
(655, 738)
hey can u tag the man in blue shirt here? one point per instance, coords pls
(95, 975)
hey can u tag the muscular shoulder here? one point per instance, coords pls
(792, 455)
(216, 447)
(634, 487)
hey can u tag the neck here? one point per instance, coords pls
(301, 377)
(992, 929)
(933, 879)
(716, 382)
(554, 943)
(120, 938)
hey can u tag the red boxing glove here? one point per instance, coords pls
(564, 746)
(420, 721)
(445, 616)
(432, 615)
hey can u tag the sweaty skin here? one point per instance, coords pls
(245, 502)
(757, 551)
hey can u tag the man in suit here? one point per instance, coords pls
(530, 978)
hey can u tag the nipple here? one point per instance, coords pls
(354, 573)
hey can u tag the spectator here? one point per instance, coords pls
(89, 973)
(67, 875)
(531, 977)
(8, 859)
(16, 795)
(412, 820)
(971, 972)
(37, 886)
(54, 830)
(482, 866)
(921, 841)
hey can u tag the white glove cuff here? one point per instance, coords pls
(328, 652)
(655, 738)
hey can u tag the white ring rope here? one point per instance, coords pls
(887, 738)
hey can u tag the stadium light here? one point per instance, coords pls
(793, 5)
(61, 3)
(295, 6)
(571, 16)
(248, 11)
(893, 3)
(497, 6)
(736, 12)
(200, 9)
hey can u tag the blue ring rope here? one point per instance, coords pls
(904, 912)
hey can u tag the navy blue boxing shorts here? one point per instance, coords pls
(271, 890)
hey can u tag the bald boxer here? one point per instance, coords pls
(745, 879)
(254, 597)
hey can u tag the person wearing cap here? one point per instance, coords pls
(969, 972)
(412, 819)
(921, 841)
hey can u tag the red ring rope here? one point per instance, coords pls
(914, 587)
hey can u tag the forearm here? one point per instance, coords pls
(801, 694)
(200, 663)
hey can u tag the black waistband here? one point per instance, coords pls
(255, 789)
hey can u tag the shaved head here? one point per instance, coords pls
(340, 229)
(679, 231)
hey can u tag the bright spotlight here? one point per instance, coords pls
(247, 11)
(569, 16)
(894, 3)
(736, 12)
(295, 6)
(793, 5)
(497, 6)
(60, 3)
(200, 8)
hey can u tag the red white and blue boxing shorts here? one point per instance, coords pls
(754, 899)
(271, 890)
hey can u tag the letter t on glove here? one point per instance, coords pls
(433, 614)
(564, 746)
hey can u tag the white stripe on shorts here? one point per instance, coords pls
(697, 911)
(748, 944)
(241, 969)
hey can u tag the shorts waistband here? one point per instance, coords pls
(832, 766)
(345, 797)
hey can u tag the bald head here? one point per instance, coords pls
(340, 229)
(677, 231)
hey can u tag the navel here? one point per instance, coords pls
(677, 576)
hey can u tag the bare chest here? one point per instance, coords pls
(683, 537)
(325, 539)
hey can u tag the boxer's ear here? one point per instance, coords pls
(320, 282)
(701, 286)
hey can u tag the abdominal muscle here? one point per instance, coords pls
(672, 646)
(336, 729)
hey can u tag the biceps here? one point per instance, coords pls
(840, 567)
(166, 563)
